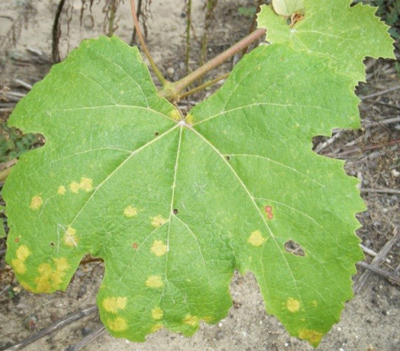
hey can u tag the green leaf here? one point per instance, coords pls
(175, 205)
(287, 7)
(333, 29)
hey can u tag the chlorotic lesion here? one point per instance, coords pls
(130, 212)
(154, 282)
(50, 278)
(193, 321)
(36, 203)
(18, 263)
(158, 220)
(175, 115)
(256, 239)
(312, 336)
(86, 184)
(114, 304)
(70, 238)
(61, 190)
(159, 248)
(117, 324)
(157, 313)
(293, 305)
(156, 327)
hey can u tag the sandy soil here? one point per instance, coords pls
(370, 322)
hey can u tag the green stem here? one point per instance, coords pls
(203, 86)
(171, 91)
(158, 73)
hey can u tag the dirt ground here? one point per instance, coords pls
(370, 322)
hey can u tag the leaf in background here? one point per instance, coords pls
(174, 206)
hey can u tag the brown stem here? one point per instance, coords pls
(253, 23)
(188, 26)
(172, 90)
(158, 73)
(203, 86)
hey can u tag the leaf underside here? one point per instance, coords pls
(175, 207)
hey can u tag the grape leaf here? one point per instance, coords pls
(173, 205)
(287, 7)
(335, 30)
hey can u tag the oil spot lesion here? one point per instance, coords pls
(193, 321)
(49, 278)
(294, 248)
(256, 239)
(130, 212)
(61, 190)
(117, 324)
(159, 248)
(312, 336)
(86, 184)
(158, 221)
(36, 203)
(293, 305)
(18, 263)
(189, 119)
(157, 313)
(70, 237)
(154, 282)
(175, 115)
(156, 327)
(114, 304)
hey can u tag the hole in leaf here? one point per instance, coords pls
(294, 248)
(175, 211)
(156, 133)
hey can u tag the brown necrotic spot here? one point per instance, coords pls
(228, 158)
(52, 244)
(16, 240)
(135, 246)
(175, 211)
(294, 248)
(156, 133)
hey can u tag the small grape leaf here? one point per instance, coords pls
(174, 205)
(335, 30)
(287, 7)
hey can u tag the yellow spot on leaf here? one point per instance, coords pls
(157, 221)
(175, 115)
(154, 282)
(113, 304)
(70, 238)
(312, 336)
(74, 187)
(189, 119)
(315, 303)
(18, 263)
(26, 286)
(292, 305)
(193, 321)
(61, 190)
(208, 319)
(36, 203)
(156, 327)
(256, 239)
(159, 248)
(117, 324)
(85, 184)
(157, 313)
(50, 279)
(130, 212)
